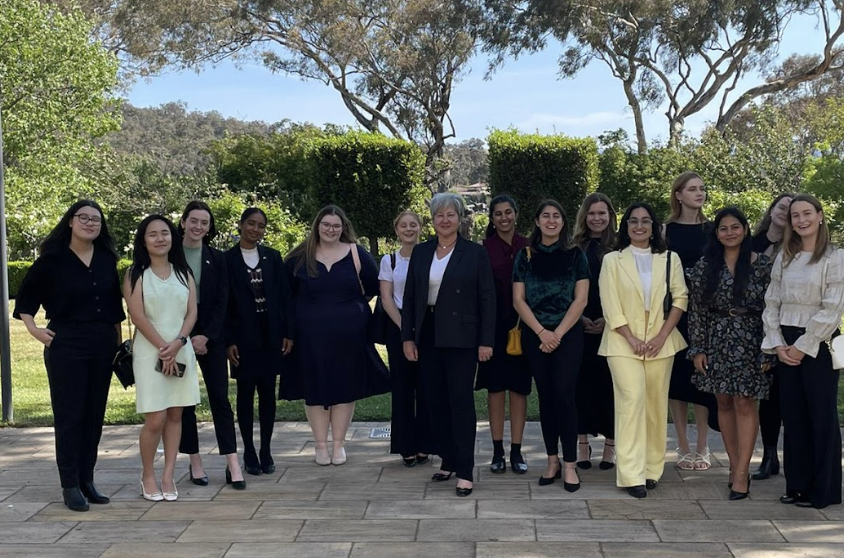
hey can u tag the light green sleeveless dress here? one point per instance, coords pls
(165, 305)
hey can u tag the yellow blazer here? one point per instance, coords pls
(624, 304)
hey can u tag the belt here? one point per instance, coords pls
(735, 312)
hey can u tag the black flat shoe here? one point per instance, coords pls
(545, 481)
(587, 464)
(498, 464)
(804, 504)
(253, 469)
(793, 498)
(89, 490)
(268, 469)
(650, 484)
(637, 491)
(422, 459)
(517, 463)
(440, 477)
(462, 492)
(236, 485)
(199, 481)
(409, 461)
(74, 499)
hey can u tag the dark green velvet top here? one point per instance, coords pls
(549, 279)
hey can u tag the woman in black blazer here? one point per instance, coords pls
(208, 265)
(259, 331)
(448, 325)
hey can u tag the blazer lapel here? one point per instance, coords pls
(658, 281)
(426, 258)
(456, 256)
(627, 262)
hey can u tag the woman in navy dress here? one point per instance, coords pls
(332, 280)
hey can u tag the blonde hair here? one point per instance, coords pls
(792, 244)
(305, 252)
(407, 212)
(676, 207)
(582, 234)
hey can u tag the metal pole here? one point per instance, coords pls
(5, 341)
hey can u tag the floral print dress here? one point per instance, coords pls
(732, 344)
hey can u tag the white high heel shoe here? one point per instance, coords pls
(154, 497)
(170, 496)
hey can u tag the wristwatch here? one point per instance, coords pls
(183, 339)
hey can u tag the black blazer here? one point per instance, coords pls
(213, 295)
(465, 309)
(241, 324)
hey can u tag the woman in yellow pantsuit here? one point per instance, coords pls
(639, 341)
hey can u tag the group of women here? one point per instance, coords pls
(605, 316)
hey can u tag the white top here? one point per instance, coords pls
(435, 277)
(397, 276)
(250, 256)
(797, 296)
(644, 264)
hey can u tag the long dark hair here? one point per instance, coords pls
(765, 223)
(59, 237)
(582, 234)
(202, 206)
(565, 234)
(305, 252)
(501, 198)
(176, 256)
(713, 256)
(657, 241)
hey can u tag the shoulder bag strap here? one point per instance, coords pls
(356, 259)
(393, 261)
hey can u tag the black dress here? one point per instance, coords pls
(595, 405)
(334, 359)
(688, 242)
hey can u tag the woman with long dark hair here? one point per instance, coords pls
(726, 298)
(75, 281)
(550, 291)
(504, 373)
(803, 307)
(336, 364)
(208, 265)
(161, 296)
(640, 340)
(767, 239)
(259, 332)
(595, 233)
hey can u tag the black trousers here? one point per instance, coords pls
(78, 364)
(253, 377)
(556, 375)
(410, 427)
(770, 414)
(215, 373)
(812, 435)
(449, 378)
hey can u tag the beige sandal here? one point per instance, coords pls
(686, 462)
(702, 462)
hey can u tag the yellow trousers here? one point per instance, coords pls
(640, 388)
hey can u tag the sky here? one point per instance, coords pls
(526, 94)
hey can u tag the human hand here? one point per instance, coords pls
(286, 346)
(200, 344)
(170, 350)
(639, 347)
(784, 356)
(549, 339)
(598, 326)
(44, 335)
(587, 324)
(795, 354)
(654, 346)
(484, 353)
(233, 355)
(701, 363)
(411, 353)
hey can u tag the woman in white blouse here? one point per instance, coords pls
(804, 305)
(411, 432)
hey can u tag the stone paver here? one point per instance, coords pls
(374, 507)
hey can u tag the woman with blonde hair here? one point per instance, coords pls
(595, 233)
(803, 308)
(332, 280)
(686, 231)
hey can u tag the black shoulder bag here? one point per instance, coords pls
(668, 301)
(380, 320)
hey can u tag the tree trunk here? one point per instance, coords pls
(373, 247)
(636, 107)
(675, 132)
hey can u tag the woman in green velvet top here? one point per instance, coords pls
(550, 291)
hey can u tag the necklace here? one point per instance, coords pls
(446, 247)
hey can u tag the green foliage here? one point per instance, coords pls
(370, 176)
(17, 271)
(531, 168)
(57, 97)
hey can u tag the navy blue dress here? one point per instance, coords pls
(334, 360)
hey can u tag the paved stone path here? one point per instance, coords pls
(375, 507)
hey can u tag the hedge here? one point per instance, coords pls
(17, 271)
(531, 167)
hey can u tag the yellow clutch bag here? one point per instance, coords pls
(514, 340)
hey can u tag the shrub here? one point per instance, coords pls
(17, 271)
(531, 168)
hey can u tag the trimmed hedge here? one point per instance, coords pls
(531, 168)
(17, 271)
(370, 176)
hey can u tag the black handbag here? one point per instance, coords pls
(380, 320)
(668, 301)
(122, 364)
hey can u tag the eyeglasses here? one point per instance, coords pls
(330, 227)
(636, 222)
(85, 219)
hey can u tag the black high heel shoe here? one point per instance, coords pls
(199, 481)
(74, 499)
(545, 481)
(236, 485)
(441, 477)
(572, 486)
(587, 464)
(463, 492)
(607, 465)
(736, 495)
